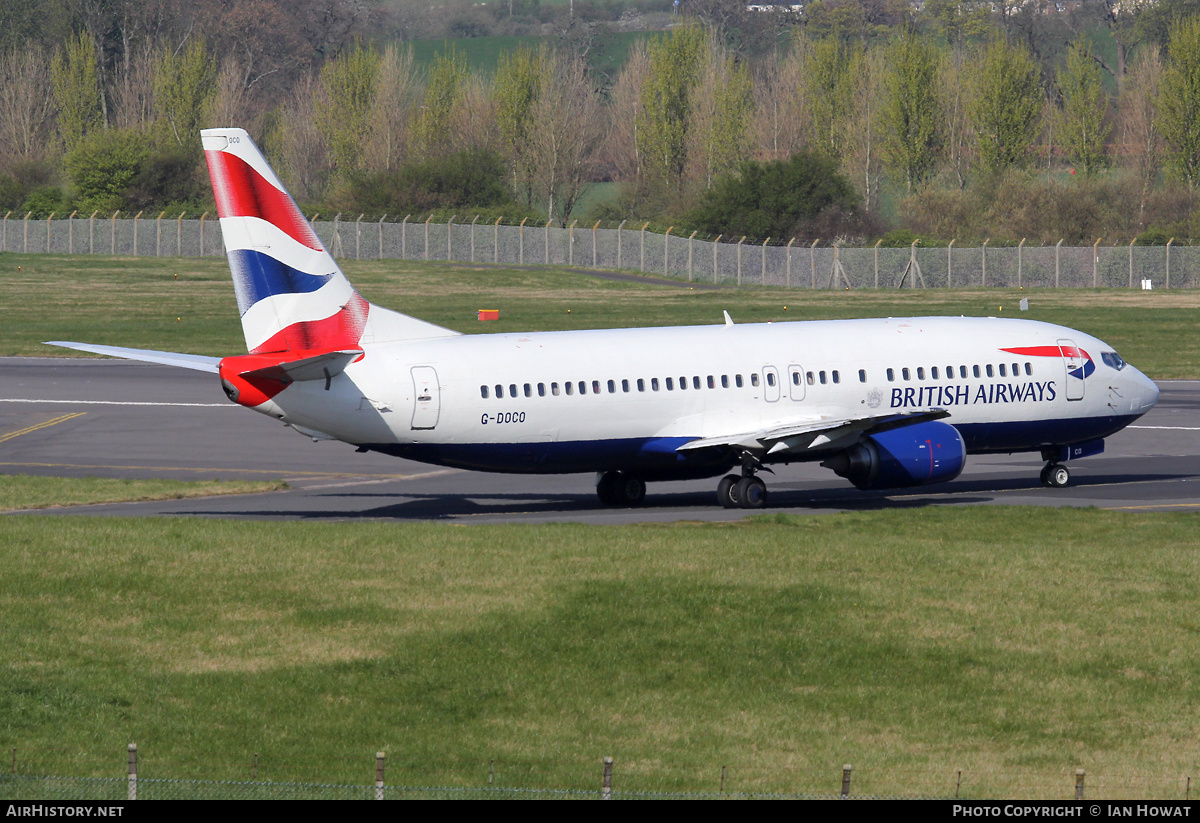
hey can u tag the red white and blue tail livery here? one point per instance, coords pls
(885, 403)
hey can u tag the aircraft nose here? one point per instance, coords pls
(1148, 391)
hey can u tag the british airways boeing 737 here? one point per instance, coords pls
(885, 404)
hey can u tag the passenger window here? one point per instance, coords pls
(920, 372)
(933, 371)
(595, 387)
(528, 390)
(1016, 369)
(962, 372)
(737, 380)
(583, 387)
(483, 392)
(499, 390)
(625, 386)
(811, 378)
(907, 374)
(612, 387)
(862, 375)
(670, 384)
(541, 389)
(1029, 368)
(770, 378)
(724, 381)
(654, 384)
(754, 380)
(512, 389)
(641, 384)
(1003, 371)
(682, 383)
(570, 387)
(822, 376)
(891, 375)
(836, 377)
(975, 370)
(554, 389)
(990, 371)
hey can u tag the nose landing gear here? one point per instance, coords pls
(1055, 476)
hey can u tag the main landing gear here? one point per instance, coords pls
(746, 491)
(1055, 475)
(620, 489)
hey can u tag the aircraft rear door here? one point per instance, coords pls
(427, 402)
(1074, 363)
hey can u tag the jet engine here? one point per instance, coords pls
(916, 455)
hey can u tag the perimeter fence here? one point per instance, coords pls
(602, 779)
(719, 261)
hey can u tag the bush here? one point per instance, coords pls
(466, 181)
(104, 164)
(803, 196)
(45, 201)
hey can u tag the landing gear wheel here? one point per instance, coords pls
(725, 491)
(620, 489)
(751, 493)
(1055, 476)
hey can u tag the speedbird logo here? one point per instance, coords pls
(1084, 369)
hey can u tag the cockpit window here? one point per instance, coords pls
(1113, 359)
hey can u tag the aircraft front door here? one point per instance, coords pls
(1074, 363)
(427, 402)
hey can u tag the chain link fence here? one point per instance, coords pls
(719, 261)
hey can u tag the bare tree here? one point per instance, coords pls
(1138, 139)
(396, 87)
(305, 159)
(781, 110)
(26, 103)
(567, 133)
(620, 152)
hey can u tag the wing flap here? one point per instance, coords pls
(815, 434)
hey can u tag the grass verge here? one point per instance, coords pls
(187, 305)
(23, 491)
(1012, 644)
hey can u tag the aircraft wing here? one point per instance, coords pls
(815, 435)
(196, 362)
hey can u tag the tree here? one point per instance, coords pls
(516, 88)
(26, 103)
(447, 78)
(831, 75)
(391, 109)
(720, 116)
(1179, 102)
(912, 113)
(183, 85)
(1085, 108)
(104, 164)
(783, 198)
(1005, 105)
(349, 84)
(662, 125)
(76, 89)
(1139, 140)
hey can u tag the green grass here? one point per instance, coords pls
(1013, 644)
(34, 492)
(188, 305)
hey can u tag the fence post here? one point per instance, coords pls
(158, 234)
(381, 219)
(358, 237)
(789, 262)
(379, 758)
(496, 240)
(48, 219)
(1079, 773)
(136, 218)
(606, 786)
(25, 234)
(691, 237)
(877, 242)
(949, 248)
(571, 243)
(113, 233)
(546, 241)
(1020, 247)
(983, 279)
(1169, 242)
(642, 265)
(91, 232)
(1057, 250)
(4, 239)
(812, 261)
(739, 258)
(204, 217)
(666, 249)
(179, 234)
(132, 771)
(1095, 260)
(521, 240)
(450, 238)
(404, 237)
(1131, 242)
(764, 261)
(71, 232)
(620, 226)
(594, 258)
(846, 769)
(716, 245)
(427, 219)
(473, 238)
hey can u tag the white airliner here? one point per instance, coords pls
(883, 403)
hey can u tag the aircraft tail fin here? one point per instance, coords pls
(291, 294)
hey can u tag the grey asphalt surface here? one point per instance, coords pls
(108, 418)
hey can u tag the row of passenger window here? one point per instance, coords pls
(598, 387)
(975, 371)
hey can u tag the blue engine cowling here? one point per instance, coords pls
(916, 455)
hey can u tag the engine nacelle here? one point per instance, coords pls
(916, 455)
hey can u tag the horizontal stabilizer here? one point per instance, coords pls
(196, 362)
(318, 367)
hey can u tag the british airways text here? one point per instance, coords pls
(952, 395)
